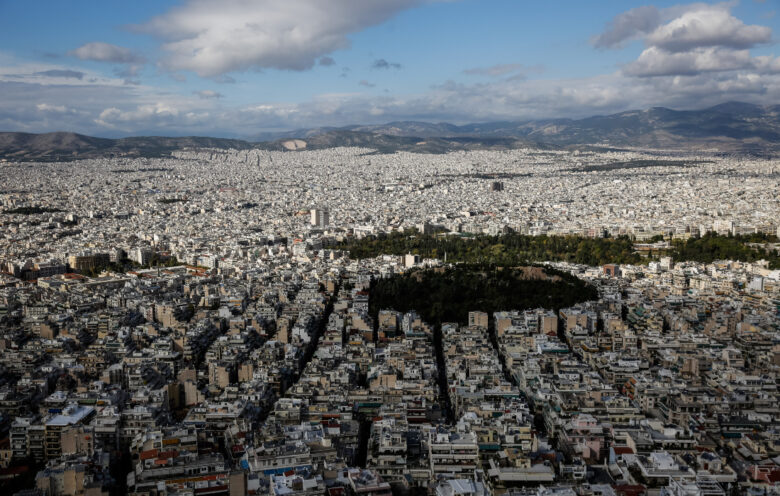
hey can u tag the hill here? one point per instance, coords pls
(62, 146)
(731, 127)
(389, 143)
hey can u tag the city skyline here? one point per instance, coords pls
(181, 68)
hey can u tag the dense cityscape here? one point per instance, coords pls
(206, 324)
(389, 248)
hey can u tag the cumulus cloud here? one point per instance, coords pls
(159, 117)
(213, 38)
(707, 27)
(767, 64)
(38, 106)
(687, 40)
(681, 28)
(655, 61)
(106, 52)
(140, 112)
(366, 84)
(327, 61)
(627, 26)
(43, 102)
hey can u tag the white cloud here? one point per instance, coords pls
(106, 52)
(213, 38)
(162, 118)
(159, 109)
(41, 97)
(767, 64)
(658, 62)
(46, 107)
(123, 110)
(627, 26)
(682, 27)
(513, 100)
(688, 40)
(707, 27)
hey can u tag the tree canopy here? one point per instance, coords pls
(448, 294)
(513, 249)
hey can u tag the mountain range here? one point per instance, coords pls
(732, 127)
(63, 146)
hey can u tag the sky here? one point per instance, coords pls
(238, 68)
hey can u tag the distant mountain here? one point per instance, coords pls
(72, 146)
(401, 128)
(731, 127)
(388, 143)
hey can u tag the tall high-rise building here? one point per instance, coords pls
(320, 217)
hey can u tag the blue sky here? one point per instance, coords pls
(242, 67)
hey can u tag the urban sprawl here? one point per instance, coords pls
(195, 325)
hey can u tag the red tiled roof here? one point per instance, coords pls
(149, 454)
(167, 454)
(630, 489)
